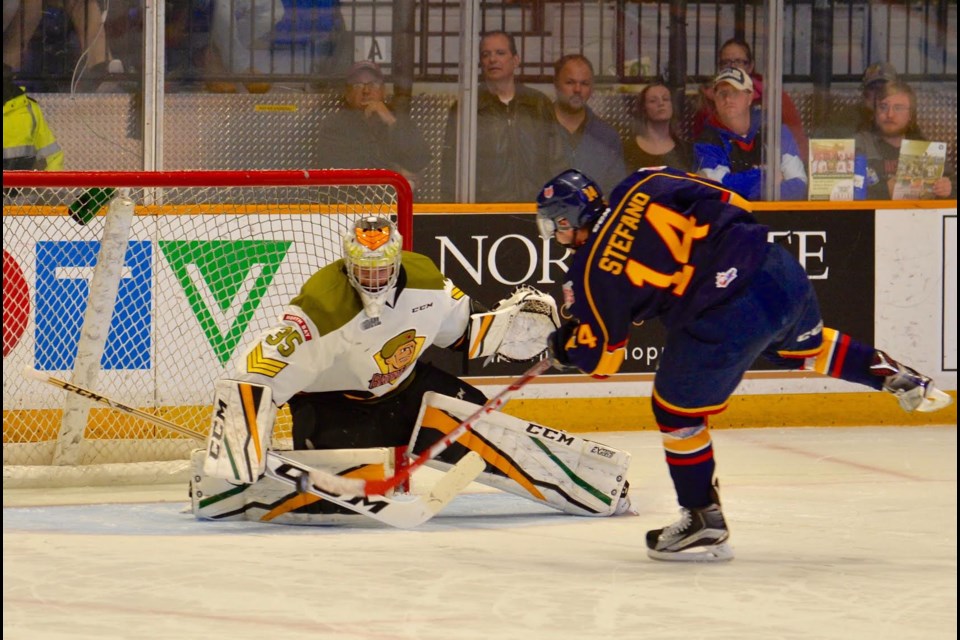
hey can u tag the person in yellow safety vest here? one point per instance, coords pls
(28, 142)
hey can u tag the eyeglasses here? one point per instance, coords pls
(893, 108)
(734, 62)
(360, 86)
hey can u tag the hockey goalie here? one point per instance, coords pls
(345, 356)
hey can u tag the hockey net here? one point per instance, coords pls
(145, 287)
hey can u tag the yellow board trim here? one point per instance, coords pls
(578, 415)
(584, 415)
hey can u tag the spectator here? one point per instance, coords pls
(240, 30)
(731, 146)
(514, 125)
(655, 141)
(735, 53)
(366, 134)
(838, 125)
(21, 19)
(583, 141)
(28, 142)
(895, 120)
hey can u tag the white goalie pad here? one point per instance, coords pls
(240, 431)
(276, 502)
(517, 328)
(552, 467)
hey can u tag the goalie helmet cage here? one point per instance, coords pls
(146, 286)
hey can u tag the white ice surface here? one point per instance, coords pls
(839, 533)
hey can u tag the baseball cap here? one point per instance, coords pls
(735, 77)
(879, 72)
(364, 67)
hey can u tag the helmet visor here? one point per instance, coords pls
(548, 227)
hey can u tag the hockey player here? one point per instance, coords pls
(346, 358)
(683, 248)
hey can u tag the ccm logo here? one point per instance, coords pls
(600, 451)
(421, 307)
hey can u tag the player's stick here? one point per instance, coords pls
(402, 513)
(359, 487)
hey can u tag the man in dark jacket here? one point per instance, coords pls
(514, 126)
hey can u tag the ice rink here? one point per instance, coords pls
(839, 533)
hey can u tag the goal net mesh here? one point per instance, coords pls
(146, 295)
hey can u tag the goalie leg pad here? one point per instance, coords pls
(240, 431)
(549, 466)
(275, 502)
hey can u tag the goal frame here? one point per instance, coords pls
(267, 178)
(149, 472)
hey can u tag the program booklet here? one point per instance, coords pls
(831, 169)
(919, 167)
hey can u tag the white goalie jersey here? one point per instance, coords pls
(324, 341)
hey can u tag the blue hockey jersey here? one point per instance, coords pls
(671, 245)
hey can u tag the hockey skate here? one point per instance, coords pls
(914, 391)
(699, 536)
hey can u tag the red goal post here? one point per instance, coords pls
(145, 286)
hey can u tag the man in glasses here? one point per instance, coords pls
(895, 120)
(366, 133)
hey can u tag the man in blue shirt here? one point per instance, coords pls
(730, 149)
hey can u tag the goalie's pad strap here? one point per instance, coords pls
(269, 500)
(549, 466)
(240, 431)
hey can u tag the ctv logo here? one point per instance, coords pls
(212, 276)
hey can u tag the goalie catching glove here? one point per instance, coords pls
(240, 431)
(517, 328)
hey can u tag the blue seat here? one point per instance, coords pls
(305, 22)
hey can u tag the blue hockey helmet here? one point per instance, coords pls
(569, 201)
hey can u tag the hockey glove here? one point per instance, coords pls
(555, 342)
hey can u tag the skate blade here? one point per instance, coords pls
(716, 553)
(934, 401)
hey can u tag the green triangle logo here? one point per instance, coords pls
(225, 267)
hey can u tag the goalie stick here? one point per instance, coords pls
(341, 486)
(400, 513)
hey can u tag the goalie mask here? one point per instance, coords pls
(570, 201)
(371, 255)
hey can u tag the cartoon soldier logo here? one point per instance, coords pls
(396, 356)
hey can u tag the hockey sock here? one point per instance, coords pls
(689, 453)
(845, 358)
